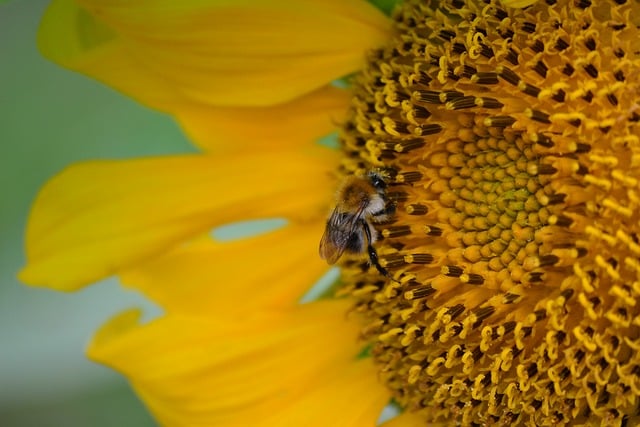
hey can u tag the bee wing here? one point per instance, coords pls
(340, 228)
(329, 250)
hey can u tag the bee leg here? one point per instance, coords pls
(390, 208)
(373, 255)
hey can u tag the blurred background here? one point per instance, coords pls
(50, 118)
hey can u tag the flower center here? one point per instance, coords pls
(510, 140)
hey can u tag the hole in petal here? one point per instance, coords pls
(243, 229)
(390, 411)
(321, 286)
(343, 82)
(329, 141)
(386, 6)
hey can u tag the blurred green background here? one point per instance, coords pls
(49, 118)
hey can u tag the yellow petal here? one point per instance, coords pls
(349, 397)
(97, 218)
(270, 270)
(234, 53)
(230, 128)
(74, 39)
(260, 368)
(518, 3)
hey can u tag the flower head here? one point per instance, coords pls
(512, 138)
(507, 135)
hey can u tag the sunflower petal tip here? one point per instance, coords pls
(114, 327)
(29, 276)
(38, 275)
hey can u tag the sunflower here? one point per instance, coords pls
(502, 290)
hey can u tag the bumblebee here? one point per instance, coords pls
(360, 203)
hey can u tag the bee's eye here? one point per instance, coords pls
(377, 182)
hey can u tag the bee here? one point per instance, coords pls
(360, 202)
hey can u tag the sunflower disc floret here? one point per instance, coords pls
(510, 137)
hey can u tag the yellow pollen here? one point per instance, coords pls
(510, 143)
